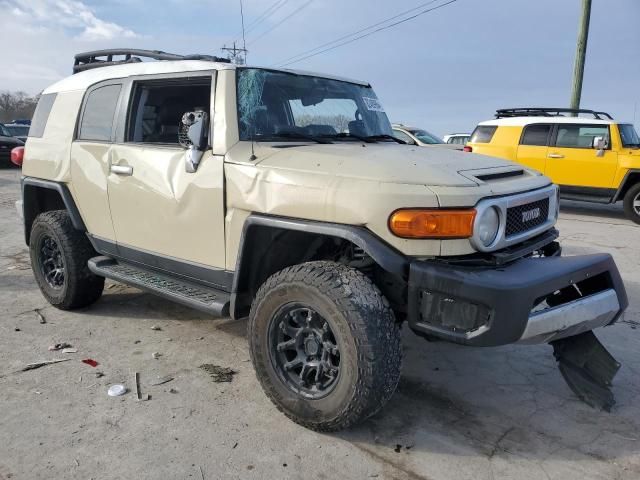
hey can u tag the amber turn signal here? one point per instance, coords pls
(424, 223)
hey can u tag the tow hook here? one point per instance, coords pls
(588, 368)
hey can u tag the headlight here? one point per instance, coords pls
(488, 225)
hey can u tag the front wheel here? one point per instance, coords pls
(325, 345)
(632, 203)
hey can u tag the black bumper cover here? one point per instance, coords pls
(505, 295)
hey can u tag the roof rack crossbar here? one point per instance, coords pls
(549, 112)
(104, 58)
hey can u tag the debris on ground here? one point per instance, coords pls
(33, 366)
(116, 390)
(69, 350)
(99, 374)
(91, 362)
(156, 327)
(137, 342)
(16, 329)
(139, 395)
(59, 346)
(173, 390)
(40, 317)
(218, 374)
(156, 355)
(161, 381)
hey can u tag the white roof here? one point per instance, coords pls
(521, 121)
(83, 80)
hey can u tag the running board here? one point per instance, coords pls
(588, 368)
(203, 298)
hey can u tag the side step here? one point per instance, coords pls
(206, 299)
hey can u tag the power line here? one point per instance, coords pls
(296, 11)
(273, 8)
(369, 33)
(386, 20)
(266, 14)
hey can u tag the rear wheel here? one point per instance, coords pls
(325, 345)
(59, 256)
(632, 203)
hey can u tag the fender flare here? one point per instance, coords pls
(623, 184)
(61, 189)
(381, 252)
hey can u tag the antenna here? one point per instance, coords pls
(236, 55)
(244, 42)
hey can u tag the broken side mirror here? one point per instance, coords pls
(193, 136)
(599, 144)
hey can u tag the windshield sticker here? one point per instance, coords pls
(373, 104)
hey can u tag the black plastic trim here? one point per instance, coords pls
(587, 194)
(202, 274)
(508, 292)
(382, 253)
(64, 193)
(618, 195)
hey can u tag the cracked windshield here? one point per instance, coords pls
(275, 106)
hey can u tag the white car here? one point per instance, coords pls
(420, 137)
(457, 138)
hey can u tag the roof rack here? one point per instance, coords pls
(89, 60)
(549, 112)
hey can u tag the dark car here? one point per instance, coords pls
(7, 143)
(18, 130)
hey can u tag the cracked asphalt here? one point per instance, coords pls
(459, 413)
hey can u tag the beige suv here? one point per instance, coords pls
(283, 196)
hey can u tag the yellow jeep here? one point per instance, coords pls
(592, 159)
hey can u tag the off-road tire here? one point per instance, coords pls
(633, 194)
(365, 329)
(80, 287)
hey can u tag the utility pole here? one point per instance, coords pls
(237, 55)
(581, 51)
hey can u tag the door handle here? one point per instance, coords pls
(125, 170)
(555, 155)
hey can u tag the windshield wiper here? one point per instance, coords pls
(385, 136)
(351, 135)
(300, 136)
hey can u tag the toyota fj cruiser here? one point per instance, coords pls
(283, 196)
(591, 157)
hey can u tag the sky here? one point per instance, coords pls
(443, 71)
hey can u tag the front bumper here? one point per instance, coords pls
(532, 300)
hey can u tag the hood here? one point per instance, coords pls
(384, 162)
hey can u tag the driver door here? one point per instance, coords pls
(163, 216)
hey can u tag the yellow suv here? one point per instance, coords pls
(592, 159)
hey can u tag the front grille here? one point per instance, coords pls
(525, 217)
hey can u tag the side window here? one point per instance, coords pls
(483, 134)
(41, 115)
(580, 136)
(402, 136)
(98, 114)
(157, 107)
(537, 135)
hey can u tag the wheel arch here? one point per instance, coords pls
(40, 196)
(631, 178)
(269, 244)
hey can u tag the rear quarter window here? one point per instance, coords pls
(536, 135)
(41, 115)
(483, 134)
(98, 114)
